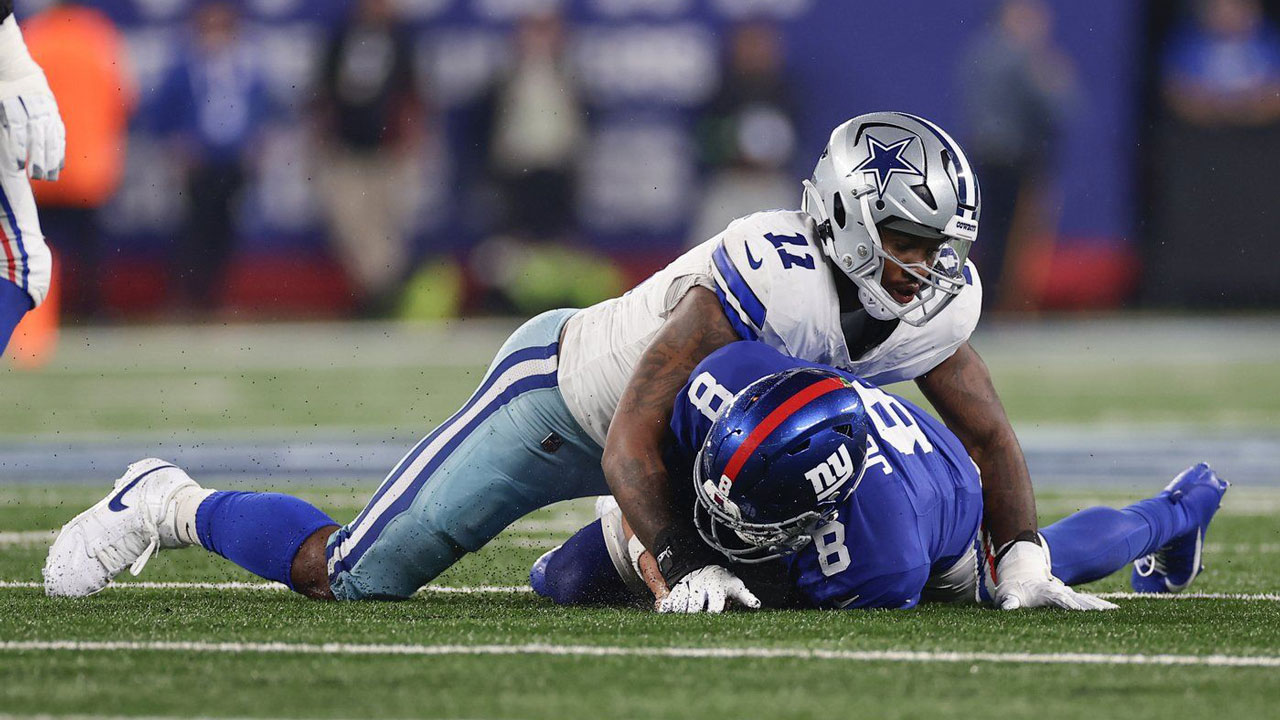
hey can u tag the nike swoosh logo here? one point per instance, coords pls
(754, 263)
(115, 504)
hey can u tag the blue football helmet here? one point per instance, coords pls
(777, 463)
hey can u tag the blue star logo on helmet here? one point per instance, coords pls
(885, 161)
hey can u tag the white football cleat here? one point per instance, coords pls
(123, 530)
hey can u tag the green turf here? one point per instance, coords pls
(1241, 556)
(241, 380)
(111, 394)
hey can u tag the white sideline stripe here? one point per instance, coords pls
(27, 537)
(23, 538)
(81, 716)
(508, 589)
(1270, 597)
(514, 374)
(10, 538)
(914, 656)
(267, 586)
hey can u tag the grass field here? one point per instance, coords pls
(257, 654)
(481, 646)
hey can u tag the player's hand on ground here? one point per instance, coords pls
(1026, 581)
(31, 129)
(710, 589)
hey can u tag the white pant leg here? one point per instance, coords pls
(968, 581)
(24, 258)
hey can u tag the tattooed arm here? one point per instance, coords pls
(632, 458)
(960, 390)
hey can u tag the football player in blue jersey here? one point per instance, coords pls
(821, 490)
(871, 275)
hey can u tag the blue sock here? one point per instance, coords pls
(260, 532)
(14, 303)
(1096, 542)
(581, 572)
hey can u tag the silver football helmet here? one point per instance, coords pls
(891, 169)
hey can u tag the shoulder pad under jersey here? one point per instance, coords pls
(774, 285)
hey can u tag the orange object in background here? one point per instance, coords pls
(36, 337)
(84, 58)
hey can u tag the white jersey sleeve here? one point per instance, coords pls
(774, 286)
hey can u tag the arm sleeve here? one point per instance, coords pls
(769, 280)
(741, 283)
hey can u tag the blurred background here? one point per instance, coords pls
(438, 158)
(260, 193)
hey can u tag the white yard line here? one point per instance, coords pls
(508, 589)
(514, 538)
(269, 586)
(27, 537)
(83, 716)
(519, 537)
(911, 656)
(1269, 597)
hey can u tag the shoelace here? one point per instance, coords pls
(1155, 562)
(113, 557)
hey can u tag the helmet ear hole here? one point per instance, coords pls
(799, 447)
(845, 430)
(837, 210)
(923, 192)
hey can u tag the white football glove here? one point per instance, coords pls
(32, 131)
(1026, 581)
(32, 136)
(708, 589)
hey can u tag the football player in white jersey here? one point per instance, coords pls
(870, 276)
(32, 140)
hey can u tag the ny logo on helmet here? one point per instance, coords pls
(828, 476)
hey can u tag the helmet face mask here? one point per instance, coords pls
(772, 471)
(721, 526)
(899, 170)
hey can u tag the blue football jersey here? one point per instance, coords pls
(917, 508)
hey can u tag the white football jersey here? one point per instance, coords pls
(769, 273)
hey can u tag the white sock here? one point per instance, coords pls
(184, 505)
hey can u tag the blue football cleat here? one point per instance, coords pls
(538, 573)
(1173, 567)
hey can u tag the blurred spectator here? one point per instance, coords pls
(1019, 88)
(1223, 67)
(85, 60)
(372, 121)
(534, 128)
(748, 134)
(211, 104)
